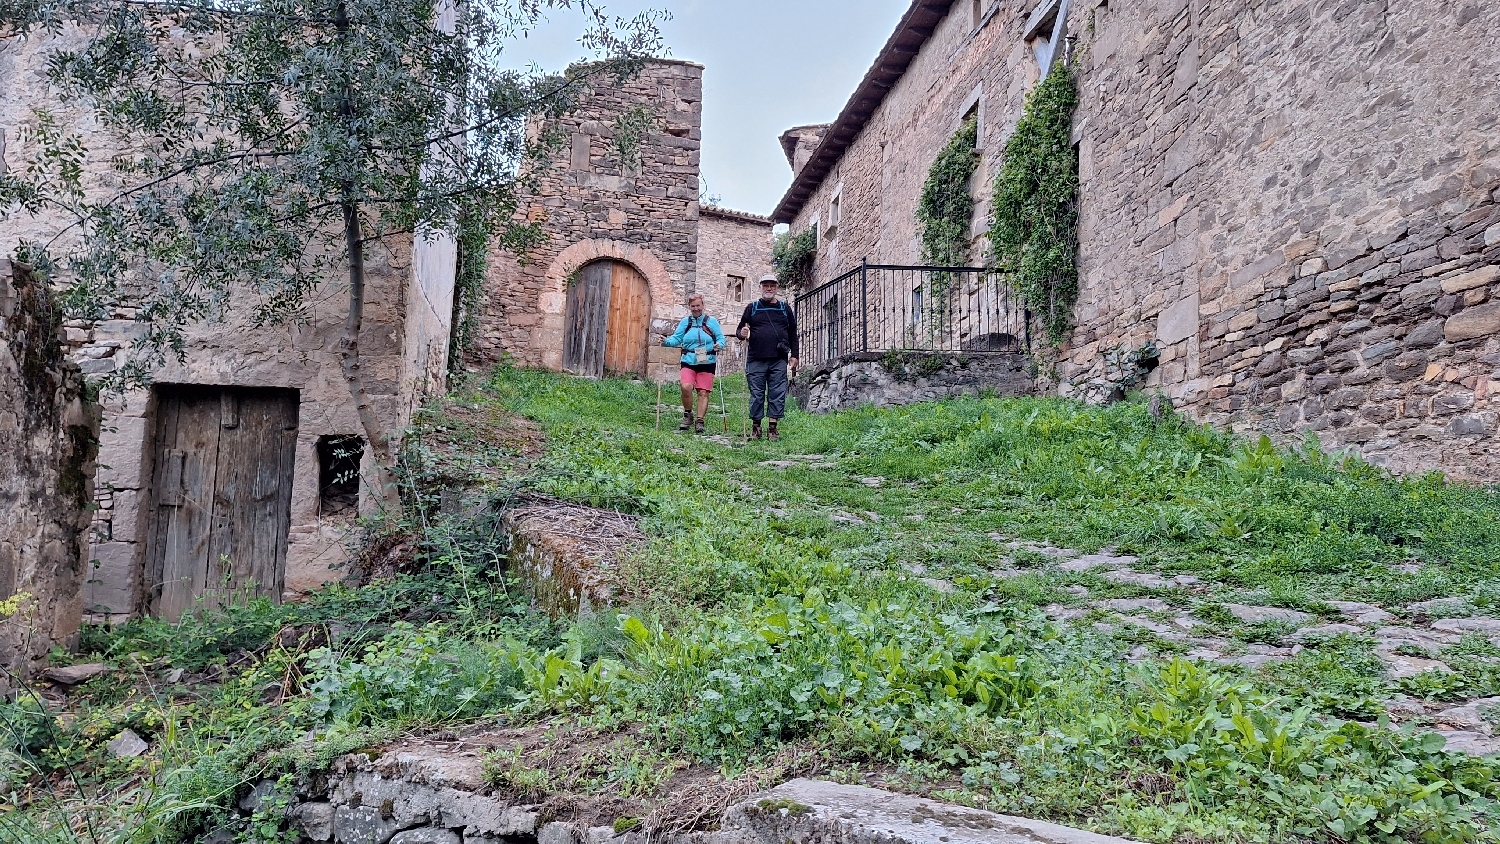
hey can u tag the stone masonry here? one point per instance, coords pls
(404, 345)
(644, 213)
(47, 435)
(1295, 201)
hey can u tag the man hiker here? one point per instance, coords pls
(771, 328)
(700, 337)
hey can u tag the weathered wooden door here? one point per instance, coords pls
(220, 495)
(629, 320)
(587, 320)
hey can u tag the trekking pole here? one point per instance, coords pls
(745, 417)
(658, 405)
(723, 408)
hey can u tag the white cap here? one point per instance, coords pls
(771, 278)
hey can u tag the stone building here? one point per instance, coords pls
(626, 240)
(1295, 202)
(248, 449)
(47, 434)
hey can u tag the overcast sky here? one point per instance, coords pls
(769, 65)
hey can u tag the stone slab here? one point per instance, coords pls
(1252, 614)
(72, 675)
(807, 811)
(1460, 626)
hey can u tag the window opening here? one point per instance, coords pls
(978, 12)
(339, 456)
(735, 287)
(1046, 31)
(916, 305)
(834, 215)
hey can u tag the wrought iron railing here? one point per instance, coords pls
(882, 307)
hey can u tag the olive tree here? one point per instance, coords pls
(261, 145)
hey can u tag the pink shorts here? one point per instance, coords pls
(698, 380)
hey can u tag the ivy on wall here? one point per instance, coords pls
(1034, 221)
(946, 210)
(792, 258)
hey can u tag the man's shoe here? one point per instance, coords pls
(698, 427)
(755, 431)
(687, 422)
(772, 433)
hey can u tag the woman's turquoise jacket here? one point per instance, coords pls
(694, 333)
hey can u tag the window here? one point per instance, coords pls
(978, 12)
(834, 208)
(1046, 32)
(338, 474)
(735, 288)
(916, 305)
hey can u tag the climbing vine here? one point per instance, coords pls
(1034, 221)
(947, 207)
(792, 257)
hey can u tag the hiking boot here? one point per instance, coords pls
(698, 427)
(755, 431)
(687, 421)
(772, 433)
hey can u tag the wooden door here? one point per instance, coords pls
(629, 320)
(587, 320)
(221, 495)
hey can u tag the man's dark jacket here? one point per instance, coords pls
(771, 326)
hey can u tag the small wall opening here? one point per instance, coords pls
(339, 456)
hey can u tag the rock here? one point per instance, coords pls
(1059, 612)
(1362, 613)
(429, 835)
(1482, 321)
(1399, 666)
(1474, 744)
(558, 833)
(1159, 629)
(314, 820)
(1405, 708)
(812, 810)
(363, 825)
(1130, 577)
(1251, 614)
(942, 586)
(1460, 626)
(1391, 637)
(1076, 590)
(1323, 632)
(73, 675)
(1133, 604)
(127, 745)
(1469, 716)
(1440, 607)
(872, 483)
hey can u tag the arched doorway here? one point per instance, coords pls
(607, 320)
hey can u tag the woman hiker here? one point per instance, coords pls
(700, 337)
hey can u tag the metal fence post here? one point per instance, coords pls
(864, 304)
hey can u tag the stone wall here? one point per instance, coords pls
(404, 346)
(1295, 200)
(734, 251)
(46, 477)
(890, 380)
(595, 206)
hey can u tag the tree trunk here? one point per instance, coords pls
(386, 494)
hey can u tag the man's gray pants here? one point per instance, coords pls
(767, 380)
